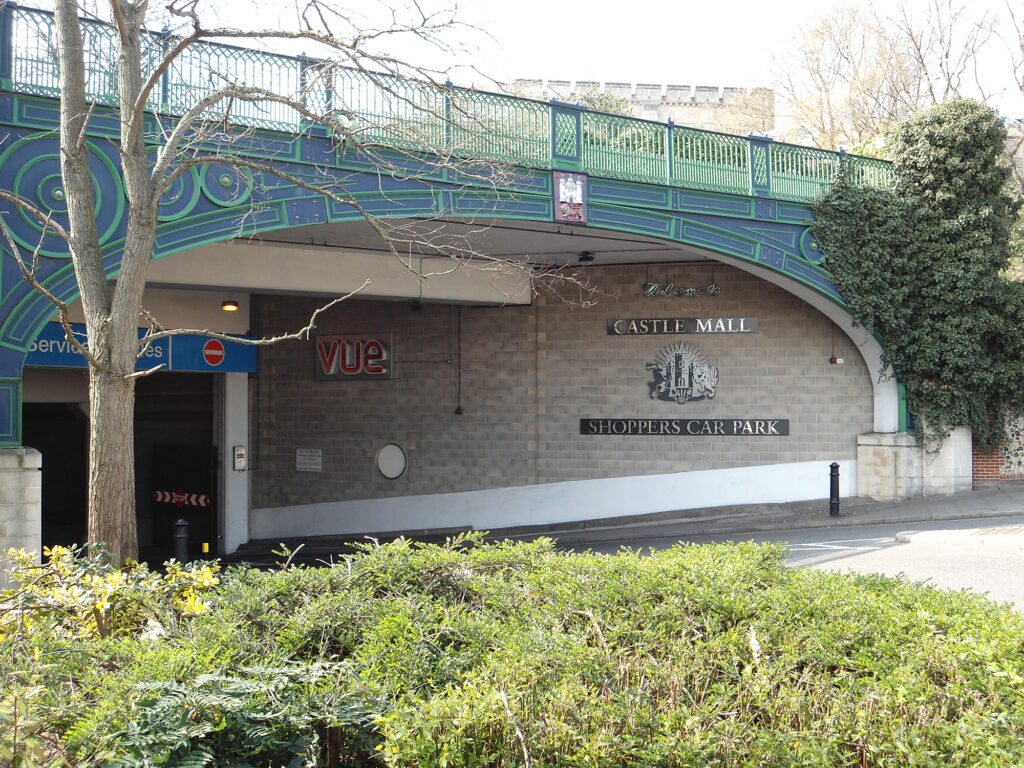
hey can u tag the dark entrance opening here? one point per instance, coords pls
(174, 455)
(60, 432)
(175, 459)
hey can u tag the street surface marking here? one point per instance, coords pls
(842, 544)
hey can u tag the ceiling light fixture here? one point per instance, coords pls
(229, 306)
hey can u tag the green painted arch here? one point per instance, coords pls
(769, 237)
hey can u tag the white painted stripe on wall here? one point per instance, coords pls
(558, 502)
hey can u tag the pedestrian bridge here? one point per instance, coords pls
(411, 149)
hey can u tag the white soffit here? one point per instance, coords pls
(325, 270)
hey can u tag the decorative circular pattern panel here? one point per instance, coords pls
(179, 200)
(34, 165)
(226, 185)
(809, 247)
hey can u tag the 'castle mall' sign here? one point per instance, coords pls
(658, 325)
(681, 427)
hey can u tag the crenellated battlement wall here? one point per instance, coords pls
(733, 110)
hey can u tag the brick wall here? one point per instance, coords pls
(1007, 463)
(987, 466)
(528, 374)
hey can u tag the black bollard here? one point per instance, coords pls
(833, 490)
(181, 540)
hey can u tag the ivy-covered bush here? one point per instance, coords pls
(921, 267)
(476, 654)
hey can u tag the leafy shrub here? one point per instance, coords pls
(73, 594)
(274, 715)
(474, 654)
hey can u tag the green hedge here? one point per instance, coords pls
(476, 654)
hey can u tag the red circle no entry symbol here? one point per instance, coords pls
(213, 352)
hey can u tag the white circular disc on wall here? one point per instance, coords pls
(391, 461)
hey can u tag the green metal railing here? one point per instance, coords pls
(804, 173)
(625, 148)
(501, 128)
(714, 161)
(418, 116)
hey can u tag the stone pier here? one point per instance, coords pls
(21, 483)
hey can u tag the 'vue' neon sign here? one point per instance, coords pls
(354, 357)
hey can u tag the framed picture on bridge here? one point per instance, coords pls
(570, 197)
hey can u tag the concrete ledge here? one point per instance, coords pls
(558, 503)
(951, 469)
(20, 457)
(889, 466)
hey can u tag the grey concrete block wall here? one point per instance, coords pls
(783, 371)
(350, 420)
(528, 374)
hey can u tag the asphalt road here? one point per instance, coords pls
(993, 568)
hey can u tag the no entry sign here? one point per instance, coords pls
(213, 352)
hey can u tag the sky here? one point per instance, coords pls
(730, 42)
(736, 43)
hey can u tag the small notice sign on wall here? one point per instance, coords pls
(309, 460)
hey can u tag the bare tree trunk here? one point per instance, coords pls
(112, 463)
(112, 309)
(110, 313)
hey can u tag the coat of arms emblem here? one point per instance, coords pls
(682, 373)
(571, 193)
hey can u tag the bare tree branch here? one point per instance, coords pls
(852, 75)
(300, 335)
